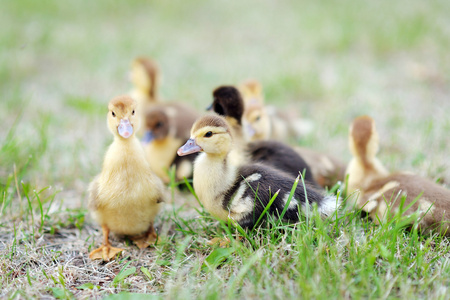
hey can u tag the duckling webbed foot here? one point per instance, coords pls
(149, 238)
(105, 252)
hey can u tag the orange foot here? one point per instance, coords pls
(149, 238)
(105, 252)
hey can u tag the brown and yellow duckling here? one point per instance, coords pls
(126, 196)
(228, 191)
(229, 104)
(167, 127)
(380, 193)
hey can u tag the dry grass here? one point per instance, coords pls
(62, 61)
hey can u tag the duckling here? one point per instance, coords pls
(125, 197)
(167, 127)
(263, 122)
(228, 191)
(379, 189)
(364, 144)
(144, 76)
(229, 104)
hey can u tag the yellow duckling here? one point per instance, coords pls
(125, 197)
(166, 128)
(378, 189)
(228, 191)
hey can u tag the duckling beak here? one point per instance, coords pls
(189, 148)
(148, 137)
(210, 107)
(125, 129)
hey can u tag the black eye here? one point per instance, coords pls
(159, 124)
(113, 114)
(208, 134)
(258, 118)
(132, 113)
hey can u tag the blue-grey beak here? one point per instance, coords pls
(148, 137)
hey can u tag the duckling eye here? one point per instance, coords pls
(208, 134)
(159, 124)
(133, 112)
(258, 118)
(114, 114)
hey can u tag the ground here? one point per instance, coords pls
(61, 62)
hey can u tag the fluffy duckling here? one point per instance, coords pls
(144, 76)
(363, 143)
(125, 197)
(263, 122)
(229, 104)
(167, 127)
(378, 189)
(228, 191)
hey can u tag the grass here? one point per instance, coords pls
(62, 62)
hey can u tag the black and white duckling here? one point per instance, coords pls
(228, 191)
(126, 196)
(229, 104)
(263, 122)
(380, 193)
(167, 127)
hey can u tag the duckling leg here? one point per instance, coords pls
(105, 251)
(150, 237)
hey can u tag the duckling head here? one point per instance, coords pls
(209, 134)
(144, 75)
(251, 91)
(363, 138)
(256, 123)
(156, 125)
(228, 103)
(122, 118)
